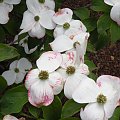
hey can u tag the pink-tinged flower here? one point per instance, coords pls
(73, 73)
(36, 20)
(17, 71)
(41, 4)
(6, 6)
(44, 82)
(68, 41)
(9, 117)
(102, 97)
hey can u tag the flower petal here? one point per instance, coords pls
(62, 16)
(4, 12)
(49, 61)
(12, 1)
(61, 44)
(28, 22)
(86, 92)
(10, 76)
(72, 83)
(110, 106)
(37, 31)
(46, 19)
(24, 64)
(112, 2)
(69, 59)
(40, 93)
(19, 77)
(13, 65)
(56, 82)
(93, 111)
(33, 6)
(115, 13)
(78, 24)
(83, 69)
(31, 78)
(9, 117)
(58, 31)
(50, 4)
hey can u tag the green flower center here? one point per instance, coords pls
(41, 1)
(70, 70)
(43, 75)
(74, 45)
(1, 1)
(36, 18)
(66, 26)
(101, 99)
(16, 70)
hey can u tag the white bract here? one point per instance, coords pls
(41, 4)
(73, 73)
(6, 6)
(67, 42)
(44, 82)
(9, 117)
(115, 11)
(101, 96)
(17, 71)
(36, 20)
(64, 21)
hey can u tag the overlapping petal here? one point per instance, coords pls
(112, 2)
(9, 117)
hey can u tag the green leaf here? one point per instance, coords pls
(99, 5)
(116, 115)
(90, 47)
(70, 118)
(53, 111)
(70, 108)
(103, 23)
(3, 84)
(93, 76)
(34, 111)
(82, 13)
(90, 64)
(13, 100)
(7, 52)
(115, 32)
(90, 24)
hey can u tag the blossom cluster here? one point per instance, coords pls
(115, 11)
(63, 67)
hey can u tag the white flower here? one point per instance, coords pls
(6, 6)
(17, 71)
(48, 4)
(72, 73)
(35, 20)
(24, 43)
(101, 96)
(64, 21)
(44, 82)
(115, 11)
(67, 42)
(9, 117)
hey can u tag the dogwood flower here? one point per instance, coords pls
(68, 41)
(115, 11)
(64, 21)
(9, 117)
(44, 82)
(48, 4)
(72, 73)
(101, 96)
(6, 6)
(35, 20)
(17, 71)
(24, 43)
